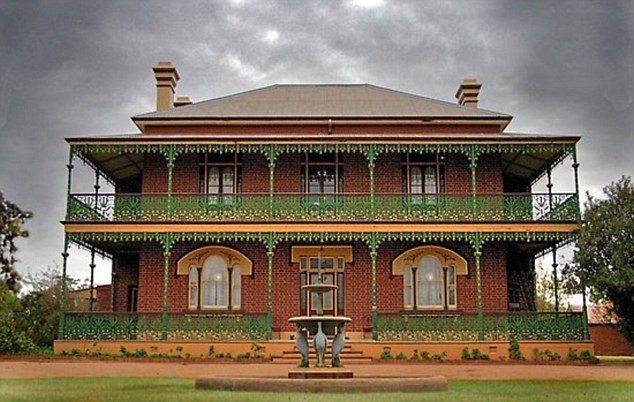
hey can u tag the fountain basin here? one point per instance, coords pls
(328, 322)
(319, 287)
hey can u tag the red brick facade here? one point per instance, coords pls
(286, 279)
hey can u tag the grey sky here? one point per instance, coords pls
(84, 67)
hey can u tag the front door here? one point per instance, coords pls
(331, 273)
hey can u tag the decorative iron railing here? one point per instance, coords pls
(496, 327)
(148, 326)
(327, 207)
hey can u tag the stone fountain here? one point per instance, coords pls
(318, 326)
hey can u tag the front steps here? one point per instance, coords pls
(347, 356)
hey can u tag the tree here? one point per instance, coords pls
(11, 220)
(604, 258)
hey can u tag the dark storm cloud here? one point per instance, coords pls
(81, 68)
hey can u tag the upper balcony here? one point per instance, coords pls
(285, 207)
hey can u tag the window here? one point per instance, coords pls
(423, 173)
(321, 173)
(429, 277)
(220, 173)
(428, 285)
(219, 283)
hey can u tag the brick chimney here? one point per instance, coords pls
(468, 92)
(166, 79)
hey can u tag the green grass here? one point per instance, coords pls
(616, 359)
(179, 389)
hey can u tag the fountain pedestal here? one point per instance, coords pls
(319, 325)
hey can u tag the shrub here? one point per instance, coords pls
(474, 355)
(386, 355)
(514, 350)
(401, 356)
(211, 351)
(439, 357)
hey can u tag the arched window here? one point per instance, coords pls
(215, 275)
(429, 277)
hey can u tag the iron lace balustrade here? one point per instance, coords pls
(180, 327)
(448, 326)
(355, 207)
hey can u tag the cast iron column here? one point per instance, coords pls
(375, 314)
(62, 299)
(167, 245)
(269, 287)
(555, 279)
(477, 254)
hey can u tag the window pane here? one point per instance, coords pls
(214, 278)
(193, 287)
(236, 286)
(429, 282)
(321, 179)
(451, 286)
(328, 305)
(227, 180)
(407, 286)
(213, 180)
(430, 180)
(416, 180)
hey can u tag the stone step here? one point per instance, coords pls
(313, 359)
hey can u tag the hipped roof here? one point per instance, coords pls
(344, 101)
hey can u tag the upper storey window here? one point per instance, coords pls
(423, 173)
(220, 173)
(321, 173)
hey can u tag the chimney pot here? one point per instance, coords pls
(182, 101)
(468, 92)
(166, 79)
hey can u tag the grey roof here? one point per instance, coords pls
(507, 137)
(321, 101)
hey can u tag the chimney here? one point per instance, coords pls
(166, 79)
(182, 101)
(468, 92)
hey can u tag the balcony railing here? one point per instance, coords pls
(327, 207)
(496, 327)
(148, 326)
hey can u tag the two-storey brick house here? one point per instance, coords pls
(419, 210)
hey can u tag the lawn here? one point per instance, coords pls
(179, 389)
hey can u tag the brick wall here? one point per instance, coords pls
(356, 176)
(104, 298)
(185, 174)
(287, 173)
(154, 174)
(357, 278)
(255, 173)
(387, 173)
(126, 275)
(387, 178)
(608, 341)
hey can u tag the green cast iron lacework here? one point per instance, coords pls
(148, 327)
(278, 237)
(330, 207)
(498, 327)
(272, 151)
